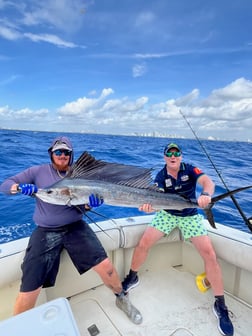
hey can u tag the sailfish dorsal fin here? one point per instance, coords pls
(88, 167)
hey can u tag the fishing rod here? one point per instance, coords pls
(248, 221)
(84, 213)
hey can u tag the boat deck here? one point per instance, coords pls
(170, 304)
(167, 295)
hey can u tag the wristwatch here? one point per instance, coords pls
(204, 193)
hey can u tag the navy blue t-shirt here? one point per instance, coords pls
(184, 185)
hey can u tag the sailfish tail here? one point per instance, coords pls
(208, 209)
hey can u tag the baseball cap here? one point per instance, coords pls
(61, 145)
(172, 145)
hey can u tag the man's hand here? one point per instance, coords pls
(27, 189)
(146, 208)
(204, 200)
(95, 201)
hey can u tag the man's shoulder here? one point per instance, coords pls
(190, 168)
(162, 171)
(41, 167)
(186, 166)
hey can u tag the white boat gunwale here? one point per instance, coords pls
(233, 248)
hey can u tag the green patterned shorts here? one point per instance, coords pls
(190, 226)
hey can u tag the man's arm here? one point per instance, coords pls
(208, 187)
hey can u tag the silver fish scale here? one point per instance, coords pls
(77, 191)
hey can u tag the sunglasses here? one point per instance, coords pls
(59, 152)
(175, 154)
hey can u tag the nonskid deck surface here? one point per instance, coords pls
(169, 302)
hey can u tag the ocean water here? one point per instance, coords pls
(22, 149)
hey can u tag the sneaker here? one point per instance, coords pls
(127, 307)
(130, 282)
(225, 326)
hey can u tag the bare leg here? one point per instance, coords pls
(26, 301)
(109, 275)
(111, 279)
(204, 246)
(149, 238)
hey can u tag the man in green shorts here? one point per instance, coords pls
(182, 178)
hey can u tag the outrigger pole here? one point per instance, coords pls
(248, 221)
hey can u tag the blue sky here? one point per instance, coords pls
(127, 67)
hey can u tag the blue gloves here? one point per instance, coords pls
(27, 189)
(95, 200)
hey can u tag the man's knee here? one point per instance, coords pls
(149, 238)
(104, 266)
(26, 300)
(31, 295)
(210, 255)
(145, 243)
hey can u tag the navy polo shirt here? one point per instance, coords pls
(184, 185)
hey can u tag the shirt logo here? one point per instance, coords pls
(168, 183)
(184, 178)
(197, 171)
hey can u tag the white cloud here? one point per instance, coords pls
(230, 119)
(139, 70)
(238, 89)
(187, 99)
(4, 111)
(231, 103)
(25, 114)
(84, 106)
(50, 39)
(106, 92)
(64, 16)
(9, 33)
(12, 34)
